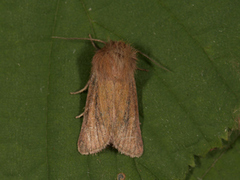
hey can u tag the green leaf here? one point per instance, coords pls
(220, 163)
(183, 113)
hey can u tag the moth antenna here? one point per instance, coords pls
(92, 41)
(89, 39)
(98, 40)
(154, 61)
(142, 69)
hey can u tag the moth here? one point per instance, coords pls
(111, 111)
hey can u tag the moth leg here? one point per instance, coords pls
(80, 115)
(142, 69)
(84, 89)
(81, 90)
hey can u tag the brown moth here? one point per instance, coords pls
(111, 111)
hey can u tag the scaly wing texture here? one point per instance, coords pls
(126, 126)
(96, 128)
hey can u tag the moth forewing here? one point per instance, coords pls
(95, 134)
(127, 134)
